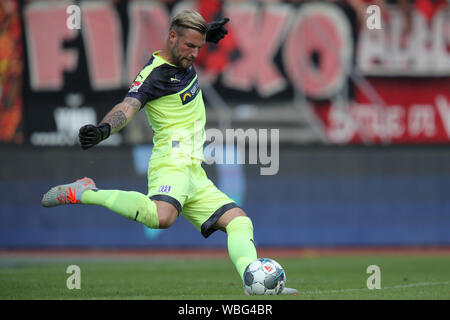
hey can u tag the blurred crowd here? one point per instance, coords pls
(11, 66)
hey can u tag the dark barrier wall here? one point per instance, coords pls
(320, 197)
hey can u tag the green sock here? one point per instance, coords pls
(241, 248)
(130, 204)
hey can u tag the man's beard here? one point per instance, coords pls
(177, 58)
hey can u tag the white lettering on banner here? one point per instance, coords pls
(148, 20)
(372, 123)
(258, 33)
(103, 44)
(341, 127)
(443, 107)
(390, 52)
(318, 50)
(68, 122)
(422, 120)
(396, 121)
(45, 32)
(314, 39)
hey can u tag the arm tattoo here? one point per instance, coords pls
(135, 103)
(122, 113)
(117, 120)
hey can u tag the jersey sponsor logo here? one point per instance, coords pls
(164, 189)
(186, 96)
(190, 94)
(175, 79)
(135, 86)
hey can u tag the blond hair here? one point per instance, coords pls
(188, 19)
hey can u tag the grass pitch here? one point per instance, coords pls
(403, 277)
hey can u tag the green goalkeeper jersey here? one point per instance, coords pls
(173, 101)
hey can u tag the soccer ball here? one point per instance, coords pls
(264, 276)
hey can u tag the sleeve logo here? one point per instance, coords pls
(135, 86)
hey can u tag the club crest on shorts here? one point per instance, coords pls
(164, 189)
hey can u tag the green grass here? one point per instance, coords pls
(331, 278)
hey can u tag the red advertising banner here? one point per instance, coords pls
(412, 111)
(380, 75)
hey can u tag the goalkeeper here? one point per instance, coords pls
(168, 89)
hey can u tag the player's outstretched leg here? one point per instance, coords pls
(130, 204)
(67, 193)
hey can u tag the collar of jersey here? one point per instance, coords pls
(156, 55)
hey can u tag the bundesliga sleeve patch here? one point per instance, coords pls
(135, 86)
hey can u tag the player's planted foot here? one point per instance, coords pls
(67, 193)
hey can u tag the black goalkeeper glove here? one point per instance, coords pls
(216, 30)
(91, 135)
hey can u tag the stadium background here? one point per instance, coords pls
(363, 116)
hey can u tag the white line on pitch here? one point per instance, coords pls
(401, 286)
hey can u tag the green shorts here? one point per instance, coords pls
(187, 187)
